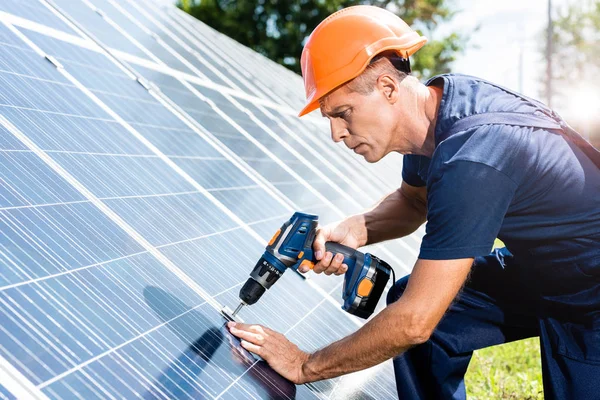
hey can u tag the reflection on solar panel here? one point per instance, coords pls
(145, 160)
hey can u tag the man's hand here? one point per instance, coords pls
(350, 232)
(281, 354)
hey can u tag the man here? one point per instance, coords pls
(475, 171)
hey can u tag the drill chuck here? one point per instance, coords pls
(262, 277)
(251, 291)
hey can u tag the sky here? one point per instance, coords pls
(507, 29)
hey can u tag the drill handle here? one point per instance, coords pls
(348, 252)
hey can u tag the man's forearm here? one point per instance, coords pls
(382, 338)
(409, 321)
(396, 215)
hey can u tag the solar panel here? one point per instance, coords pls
(145, 159)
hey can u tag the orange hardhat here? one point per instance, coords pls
(342, 45)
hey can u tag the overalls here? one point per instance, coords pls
(498, 306)
(505, 300)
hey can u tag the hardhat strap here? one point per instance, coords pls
(400, 63)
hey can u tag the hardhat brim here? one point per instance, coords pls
(406, 50)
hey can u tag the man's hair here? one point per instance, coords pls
(381, 64)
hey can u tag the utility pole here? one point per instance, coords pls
(549, 56)
(521, 67)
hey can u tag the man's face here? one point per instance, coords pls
(364, 122)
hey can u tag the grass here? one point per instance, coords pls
(508, 371)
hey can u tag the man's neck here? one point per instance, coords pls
(432, 106)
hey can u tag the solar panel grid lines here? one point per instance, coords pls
(349, 198)
(229, 46)
(167, 39)
(257, 82)
(144, 365)
(183, 64)
(134, 59)
(104, 208)
(147, 143)
(250, 137)
(7, 125)
(200, 95)
(176, 39)
(113, 349)
(257, 143)
(221, 148)
(323, 159)
(368, 185)
(230, 155)
(18, 386)
(223, 61)
(32, 11)
(174, 18)
(123, 16)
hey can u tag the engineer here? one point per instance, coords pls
(481, 162)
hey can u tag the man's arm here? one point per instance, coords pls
(432, 287)
(398, 214)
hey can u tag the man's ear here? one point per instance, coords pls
(388, 87)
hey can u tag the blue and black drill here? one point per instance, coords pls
(292, 246)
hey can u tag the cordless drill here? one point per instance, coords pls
(292, 246)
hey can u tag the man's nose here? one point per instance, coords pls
(338, 130)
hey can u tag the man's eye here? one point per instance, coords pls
(344, 114)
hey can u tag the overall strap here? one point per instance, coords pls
(528, 120)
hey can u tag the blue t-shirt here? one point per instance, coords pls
(530, 187)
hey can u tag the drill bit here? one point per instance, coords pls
(242, 304)
(229, 315)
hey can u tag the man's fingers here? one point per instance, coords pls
(252, 337)
(336, 264)
(251, 347)
(324, 264)
(239, 325)
(257, 329)
(342, 270)
(319, 243)
(253, 333)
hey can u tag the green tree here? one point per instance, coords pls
(279, 28)
(576, 41)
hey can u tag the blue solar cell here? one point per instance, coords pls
(35, 12)
(181, 217)
(253, 205)
(42, 241)
(92, 311)
(28, 181)
(241, 145)
(5, 394)
(144, 15)
(138, 32)
(98, 27)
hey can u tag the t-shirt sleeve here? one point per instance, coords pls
(410, 170)
(466, 205)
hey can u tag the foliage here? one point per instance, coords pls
(576, 40)
(508, 371)
(279, 28)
